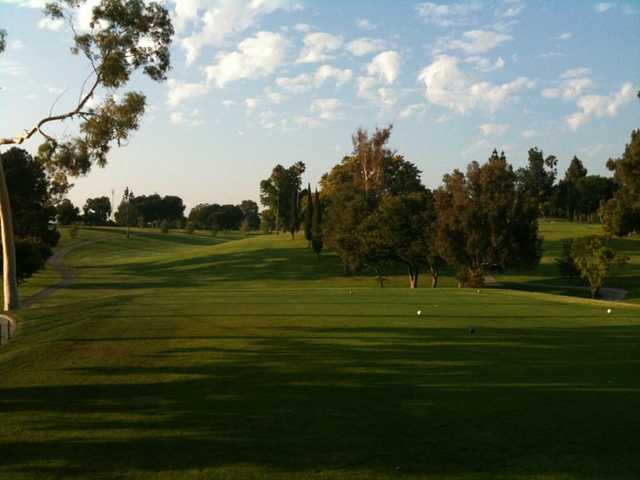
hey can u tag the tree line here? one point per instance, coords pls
(377, 214)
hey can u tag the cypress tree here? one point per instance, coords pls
(316, 241)
(293, 220)
(308, 216)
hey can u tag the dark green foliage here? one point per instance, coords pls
(224, 217)
(97, 211)
(308, 215)
(267, 221)
(317, 241)
(537, 179)
(33, 214)
(594, 259)
(152, 208)
(277, 191)
(164, 226)
(251, 215)
(294, 219)
(566, 265)
(66, 212)
(485, 222)
(621, 214)
(190, 228)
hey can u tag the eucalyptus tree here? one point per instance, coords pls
(122, 38)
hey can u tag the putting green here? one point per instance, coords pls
(178, 356)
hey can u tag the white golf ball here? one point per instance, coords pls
(608, 310)
(419, 312)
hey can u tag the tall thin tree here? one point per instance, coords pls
(308, 216)
(316, 241)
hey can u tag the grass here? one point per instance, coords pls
(192, 357)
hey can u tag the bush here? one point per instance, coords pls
(31, 256)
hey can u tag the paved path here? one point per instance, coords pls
(65, 272)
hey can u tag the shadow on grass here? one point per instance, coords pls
(428, 400)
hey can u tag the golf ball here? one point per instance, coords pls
(419, 312)
(608, 310)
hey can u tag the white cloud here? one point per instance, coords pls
(50, 24)
(317, 47)
(326, 72)
(16, 45)
(274, 97)
(177, 118)
(215, 20)
(552, 55)
(302, 27)
(411, 110)
(385, 66)
(573, 83)
(180, 92)
(527, 134)
(39, 4)
(564, 36)
(229, 103)
(326, 108)
(493, 129)
(448, 15)
(510, 9)
(475, 42)
(483, 64)
(365, 84)
(251, 103)
(365, 24)
(256, 56)
(365, 46)
(603, 7)
(597, 106)
(446, 85)
(299, 84)
(387, 97)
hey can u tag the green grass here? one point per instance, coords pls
(187, 356)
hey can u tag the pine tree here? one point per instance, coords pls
(308, 216)
(316, 241)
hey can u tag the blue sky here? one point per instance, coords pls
(260, 82)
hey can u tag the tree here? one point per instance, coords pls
(485, 223)
(276, 192)
(268, 220)
(32, 212)
(317, 236)
(594, 260)
(308, 216)
(251, 214)
(97, 211)
(537, 179)
(66, 212)
(124, 37)
(621, 214)
(294, 220)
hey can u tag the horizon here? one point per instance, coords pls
(456, 79)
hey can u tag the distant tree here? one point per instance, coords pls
(594, 260)
(576, 170)
(190, 228)
(245, 228)
(621, 214)
(485, 223)
(268, 220)
(294, 220)
(32, 212)
(66, 212)
(317, 241)
(164, 226)
(97, 211)
(124, 37)
(538, 177)
(308, 216)
(277, 190)
(250, 213)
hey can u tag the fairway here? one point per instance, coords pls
(187, 356)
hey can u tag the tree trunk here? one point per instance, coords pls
(9, 279)
(434, 279)
(595, 292)
(413, 278)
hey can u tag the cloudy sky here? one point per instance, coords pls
(260, 82)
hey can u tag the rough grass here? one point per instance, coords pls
(187, 356)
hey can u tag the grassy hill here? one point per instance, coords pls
(187, 356)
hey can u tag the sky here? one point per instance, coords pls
(255, 83)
